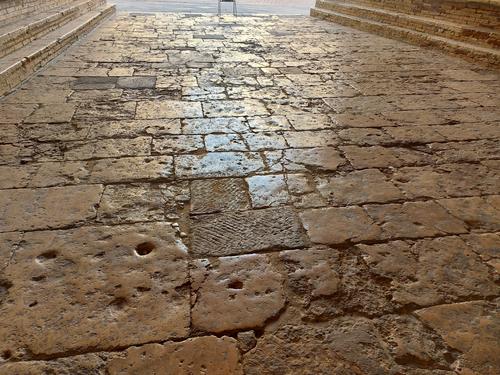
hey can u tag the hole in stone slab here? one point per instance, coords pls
(47, 255)
(33, 304)
(38, 278)
(118, 302)
(144, 248)
(235, 284)
(143, 289)
(6, 354)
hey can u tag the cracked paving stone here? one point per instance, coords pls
(322, 158)
(339, 225)
(100, 287)
(56, 207)
(348, 345)
(271, 123)
(244, 232)
(215, 125)
(446, 180)
(240, 292)
(487, 245)
(177, 144)
(112, 170)
(60, 112)
(431, 271)
(225, 142)
(473, 329)
(366, 186)
(384, 157)
(267, 191)
(216, 195)
(218, 164)
(199, 355)
(414, 220)
(477, 212)
(207, 354)
(141, 202)
(234, 108)
(168, 109)
(14, 113)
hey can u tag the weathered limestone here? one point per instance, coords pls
(189, 194)
(465, 28)
(33, 32)
(99, 287)
(239, 292)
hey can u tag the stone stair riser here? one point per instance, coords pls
(19, 71)
(473, 13)
(409, 36)
(23, 36)
(459, 33)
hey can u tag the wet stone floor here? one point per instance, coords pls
(253, 195)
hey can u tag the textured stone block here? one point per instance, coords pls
(244, 232)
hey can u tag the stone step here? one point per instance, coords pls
(482, 13)
(11, 9)
(20, 32)
(19, 65)
(485, 36)
(469, 51)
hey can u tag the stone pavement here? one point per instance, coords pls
(260, 195)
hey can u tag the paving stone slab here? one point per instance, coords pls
(215, 195)
(99, 287)
(239, 292)
(56, 207)
(244, 232)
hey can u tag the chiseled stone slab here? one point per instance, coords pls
(56, 207)
(232, 233)
(95, 287)
(239, 292)
(215, 195)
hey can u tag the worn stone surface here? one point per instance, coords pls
(98, 287)
(200, 355)
(245, 232)
(471, 328)
(28, 209)
(339, 225)
(240, 292)
(430, 271)
(325, 197)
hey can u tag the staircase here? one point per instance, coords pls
(467, 28)
(34, 32)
